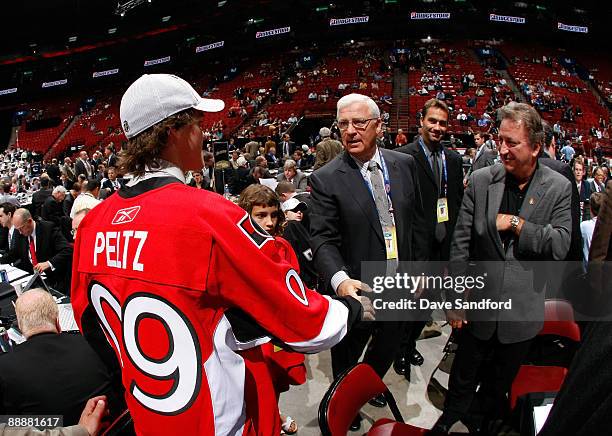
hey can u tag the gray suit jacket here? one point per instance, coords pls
(300, 180)
(511, 273)
(486, 159)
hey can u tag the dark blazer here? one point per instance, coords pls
(51, 246)
(545, 236)
(52, 374)
(79, 168)
(344, 225)
(38, 199)
(425, 243)
(575, 252)
(583, 405)
(108, 185)
(52, 211)
(280, 148)
(111, 161)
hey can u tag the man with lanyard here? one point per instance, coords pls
(440, 177)
(365, 206)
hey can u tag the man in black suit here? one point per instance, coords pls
(39, 197)
(52, 372)
(584, 191)
(43, 249)
(83, 166)
(440, 175)
(354, 220)
(548, 158)
(286, 147)
(112, 183)
(110, 158)
(52, 209)
(54, 172)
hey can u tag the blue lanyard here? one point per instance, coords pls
(443, 182)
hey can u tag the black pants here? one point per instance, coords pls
(410, 334)
(503, 362)
(381, 350)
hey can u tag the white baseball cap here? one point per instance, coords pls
(154, 97)
(292, 204)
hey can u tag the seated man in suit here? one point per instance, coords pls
(112, 183)
(51, 372)
(43, 249)
(292, 175)
(8, 235)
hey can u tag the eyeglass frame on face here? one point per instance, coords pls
(355, 123)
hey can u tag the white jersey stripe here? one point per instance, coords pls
(225, 374)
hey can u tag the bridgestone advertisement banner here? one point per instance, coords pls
(157, 61)
(350, 20)
(207, 47)
(430, 15)
(570, 28)
(273, 32)
(506, 19)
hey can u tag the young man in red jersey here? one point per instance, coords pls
(158, 265)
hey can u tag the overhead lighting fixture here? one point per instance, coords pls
(112, 30)
(122, 8)
(221, 3)
(166, 18)
(72, 39)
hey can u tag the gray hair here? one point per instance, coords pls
(60, 189)
(525, 114)
(36, 311)
(350, 99)
(289, 163)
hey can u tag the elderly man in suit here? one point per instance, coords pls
(365, 207)
(293, 175)
(52, 372)
(511, 213)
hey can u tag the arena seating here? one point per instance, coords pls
(41, 140)
(534, 73)
(454, 64)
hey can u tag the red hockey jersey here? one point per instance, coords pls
(159, 265)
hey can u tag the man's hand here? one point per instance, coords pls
(351, 287)
(456, 318)
(92, 415)
(503, 222)
(42, 266)
(368, 309)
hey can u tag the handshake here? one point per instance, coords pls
(350, 287)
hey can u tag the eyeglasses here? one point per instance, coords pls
(358, 124)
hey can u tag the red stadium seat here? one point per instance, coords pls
(558, 321)
(347, 394)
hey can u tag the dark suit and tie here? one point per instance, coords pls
(46, 244)
(365, 206)
(112, 185)
(346, 230)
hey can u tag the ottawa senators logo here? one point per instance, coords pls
(255, 233)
